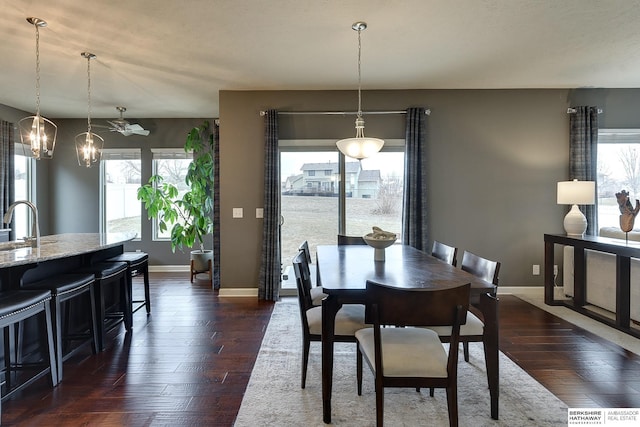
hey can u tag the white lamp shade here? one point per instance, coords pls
(360, 147)
(576, 192)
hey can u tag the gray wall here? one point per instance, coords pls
(496, 156)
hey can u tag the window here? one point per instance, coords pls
(172, 165)
(22, 185)
(618, 169)
(121, 210)
(310, 202)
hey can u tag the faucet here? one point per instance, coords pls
(35, 229)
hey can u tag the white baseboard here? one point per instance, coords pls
(168, 268)
(520, 290)
(238, 292)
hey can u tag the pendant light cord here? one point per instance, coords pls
(37, 71)
(359, 76)
(89, 93)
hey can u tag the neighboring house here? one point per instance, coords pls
(293, 184)
(323, 178)
(368, 184)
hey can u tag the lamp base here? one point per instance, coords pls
(575, 223)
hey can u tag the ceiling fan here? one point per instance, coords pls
(124, 127)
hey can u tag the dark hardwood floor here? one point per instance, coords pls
(190, 361)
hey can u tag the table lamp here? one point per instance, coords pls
(576, 193)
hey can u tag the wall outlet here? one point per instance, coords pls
(259, 212)
(555, 270)
(536, 269)
(238, 213)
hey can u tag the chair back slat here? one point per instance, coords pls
(303, 280)
(444, 252)
(481, 267)
(417, 307)
(350, 240)
(305, 248)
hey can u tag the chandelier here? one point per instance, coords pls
(37, 134)
(361, 146)
(88, 144)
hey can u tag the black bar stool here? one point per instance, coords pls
(16, 306)
(138, 263)
(65, 287)
(107, 274)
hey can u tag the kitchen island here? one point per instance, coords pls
(58, 253)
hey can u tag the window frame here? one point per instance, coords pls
(116, 154)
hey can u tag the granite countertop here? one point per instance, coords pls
(59, 246)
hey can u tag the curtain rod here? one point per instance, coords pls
(340, 113)
(573, 110)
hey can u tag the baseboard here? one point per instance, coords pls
(168, 268)
(520, 290)
(238, 292)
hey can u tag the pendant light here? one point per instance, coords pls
(361, 146)
(88, 144)
(37, 134)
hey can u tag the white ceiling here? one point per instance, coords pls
(169, 58)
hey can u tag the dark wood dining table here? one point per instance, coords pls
(343, 271)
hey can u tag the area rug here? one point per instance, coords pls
(274, 397)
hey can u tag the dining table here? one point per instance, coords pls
(343, 270)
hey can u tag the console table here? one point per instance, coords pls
(623, 250)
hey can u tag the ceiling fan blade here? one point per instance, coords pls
(137, 129)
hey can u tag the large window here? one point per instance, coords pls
(172, 165)
(618, 169)
(310, 197)
(121, 210)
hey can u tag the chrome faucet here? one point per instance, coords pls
(35, 229)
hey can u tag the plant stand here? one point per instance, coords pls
(195, 271)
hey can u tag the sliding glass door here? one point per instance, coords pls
(314, 208)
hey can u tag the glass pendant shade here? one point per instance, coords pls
(361, 146)
(89, 148)
(38, 136)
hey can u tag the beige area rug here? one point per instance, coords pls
(274, 397)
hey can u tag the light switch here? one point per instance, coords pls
(259, 212)
(238, 213)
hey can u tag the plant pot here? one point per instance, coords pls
(201, 260)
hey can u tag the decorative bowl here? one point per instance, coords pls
(379, 244)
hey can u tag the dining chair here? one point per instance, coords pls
(407, 356)
(444, 252)
(349, 319)
(317, 293)
(473, 330)
(350, 240)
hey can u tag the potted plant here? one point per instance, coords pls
(188, 216)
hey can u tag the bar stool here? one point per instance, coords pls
(16, 306)
(65, 287)
(106, 274)
(138, 263)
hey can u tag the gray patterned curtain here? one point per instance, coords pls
(216, 204)
(6, 167)
(414, 221)
(269, 283)
(583, 156)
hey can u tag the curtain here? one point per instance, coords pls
(269, 282)
(6, 167)
(414, 209)
(216, 204)
(583, 156)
